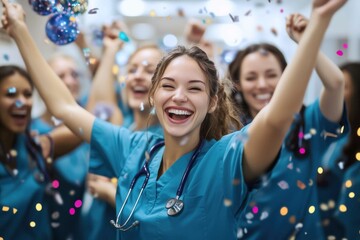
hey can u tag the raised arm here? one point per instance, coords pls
(53, 91)
(102, 89)
(269, 127)
(332, 94)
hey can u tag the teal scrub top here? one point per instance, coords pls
(24, 204)
(213, 193)
(70, 171)
(285, 203)
(339, 223)
(93, 227)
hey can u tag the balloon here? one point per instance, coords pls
(74, 6)
(43, 7)
(61, 28)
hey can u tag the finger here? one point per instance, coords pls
(5, 3)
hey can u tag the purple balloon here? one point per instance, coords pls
(43, 7)
(62, 28)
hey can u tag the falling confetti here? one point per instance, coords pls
(283, 185)
(6, 57)
(234, 18)
(339, 53)
(300, 185)
(72, 211)
(93, 11)
(264, 215)
(124, 37)
(248, 13)
(274, 31)
(55, 184)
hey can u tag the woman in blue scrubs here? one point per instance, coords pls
(339, 185)
(24, 202)
(287, 196)
(194, 184)
(140, 68)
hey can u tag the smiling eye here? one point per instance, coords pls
(167, 86)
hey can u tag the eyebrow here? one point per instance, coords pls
(191, 81)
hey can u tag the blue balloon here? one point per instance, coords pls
(43, 7)
(62, 28)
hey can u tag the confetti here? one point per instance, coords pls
(255, 209)
(32, 224)
(93, 11)
(339, 53)
(284, 211)
(212, 14)
(311, 209)
(248, 13)
(19, 103)
(342, 208)
(5, 208)
(78, 203)
(11, 90)
(142, 107)
(274, 31)
(6, 57)
(281, 10)
(38, 207)
(234, 18)
(152, 13)
(249, 216)
(72, 211)
(264, 215)
(227, 202)
(283, 185)
(124, 37)
(300, 185)
(55, 215)
(55, 184)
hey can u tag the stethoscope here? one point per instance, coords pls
(174, 205)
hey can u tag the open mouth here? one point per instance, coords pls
(263, 97)
(178, 115)
(140, 90)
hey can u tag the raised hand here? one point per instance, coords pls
(111, 35)
(327, 8)
(13, 14)
(295, 26)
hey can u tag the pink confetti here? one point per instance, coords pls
(283, 185)
(72, 211)
(345, 45)
(78, 203)
(340, 53)
(281, 10)
(55, 184)
(301, 135)
(255, 209)
(302, 150)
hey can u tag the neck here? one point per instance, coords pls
(176, 148)
(142, 121)
(7, 140)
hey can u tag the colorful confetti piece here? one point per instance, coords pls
(234, 18)
(93, 11)
(124, 37)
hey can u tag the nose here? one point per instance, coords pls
(23, 101)
(179, 96)
(262, 82)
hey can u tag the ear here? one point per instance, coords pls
(213, 104)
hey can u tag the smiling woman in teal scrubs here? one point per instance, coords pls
(24, 203)
(196, 115)
(287, 197)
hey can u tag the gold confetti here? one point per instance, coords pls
(5, 208)
(1, 238)
(152, 13)
(348, 184)
(311, 209)
(358, 132)
(284, 211)
(38, 207)
(292, 219)
(13, 153)
(312, 131)
(72, 19)
(114, 181)
(14, 210)
(227, 202)
(342, 208)
(301, 185)
(331, 203)
(320, 170)
(351, 195)
(357, 156)
(49, 160)
(32, 224)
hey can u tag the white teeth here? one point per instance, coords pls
(140, 88)
(179, 112)
(263, 96)
(23, 112)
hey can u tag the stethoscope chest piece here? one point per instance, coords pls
(174, 206)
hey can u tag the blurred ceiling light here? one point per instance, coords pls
(170, 41)
(143, 31)
(131, 8)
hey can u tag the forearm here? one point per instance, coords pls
(102, 89)
(48, 84)
(64, 140)
(332, 94)
(291, 89)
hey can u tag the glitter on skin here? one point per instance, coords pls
(11, 90)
